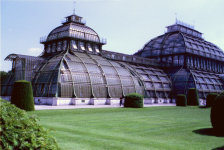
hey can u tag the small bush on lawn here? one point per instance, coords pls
(21, 131)
(192, 98)
(133, 100)
(22, 95)
(181, 100)
(210, 99)
(217, 113)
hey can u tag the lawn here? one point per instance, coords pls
(132, 129)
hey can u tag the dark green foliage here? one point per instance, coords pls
(21, 131)
(181, 100)
(22, 95)
(133, 100)
(192, 98)
(3, 76)
(217, 113)
(210, 99)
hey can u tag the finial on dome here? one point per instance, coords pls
(74, 9)
(176, 18)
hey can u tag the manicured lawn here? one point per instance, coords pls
(127, 128)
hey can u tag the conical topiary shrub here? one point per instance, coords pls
(210, 99)
(133, 100)
(217, 113)
(22, 95)
(192, 97)
(181, 100)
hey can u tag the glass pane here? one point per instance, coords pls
(100, 91)
(145, 77)
(211, 86)
(163, 78)
(154, 78)
(148, 84)
(204, 86)
(166, 85)
(158, 85)
(111, 80)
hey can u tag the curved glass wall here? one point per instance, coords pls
(23, 68)
(207, 83)
(204, 82)
(83, 75)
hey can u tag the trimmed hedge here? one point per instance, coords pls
(19, 131)
(133, 100)
(192, 97)
(22, 95)
(181, 100)
(210, 99)
(217, 113)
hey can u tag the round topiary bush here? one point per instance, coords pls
(192, 97)
(181, 100)
(210, 99)
(19, 131)
(217, 113)
(133, 100)
(22, 95)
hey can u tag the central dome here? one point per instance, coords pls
(74, 30)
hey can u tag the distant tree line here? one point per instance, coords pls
(3, 76)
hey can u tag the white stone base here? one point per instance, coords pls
(54, 101)
(202, 102)
(74, 101)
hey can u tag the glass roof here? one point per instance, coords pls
(81, 75)
(74, 30)
(177, 41)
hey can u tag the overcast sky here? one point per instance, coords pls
(127, 24)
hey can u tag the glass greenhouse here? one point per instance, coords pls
(73, 69)
(191, 61)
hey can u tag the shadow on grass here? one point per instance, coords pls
(209, 132)
(219, 148)
(203, 107)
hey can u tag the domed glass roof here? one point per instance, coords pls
(81, 75)
(74, 30)
(181, 40)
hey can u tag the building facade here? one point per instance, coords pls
(74, 69)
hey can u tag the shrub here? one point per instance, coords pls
(21, 131)
(217, 113)
(22, 95)
(210, 99)
(181, 100)
(192, 98)
(133, 100)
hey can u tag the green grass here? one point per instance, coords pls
(132, 129)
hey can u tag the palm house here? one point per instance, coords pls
(73, 69)
(191, 62)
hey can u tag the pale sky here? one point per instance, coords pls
(126, 24)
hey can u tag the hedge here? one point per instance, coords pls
(181, 100)
(210, 99)
(133, 100)
(217, 113)
(22, 95)
(192, 97)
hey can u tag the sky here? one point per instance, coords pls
(126, 24)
